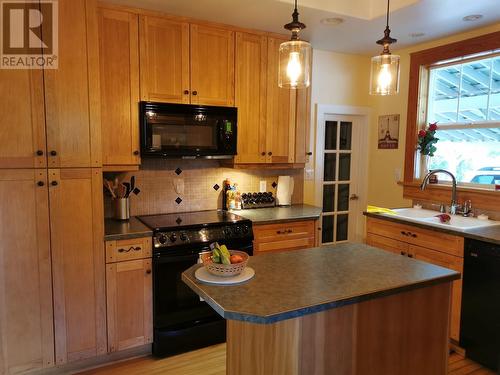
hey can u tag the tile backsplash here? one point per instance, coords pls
(197, 182)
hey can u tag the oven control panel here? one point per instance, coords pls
(204, 235)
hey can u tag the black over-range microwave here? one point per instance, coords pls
(187, 131)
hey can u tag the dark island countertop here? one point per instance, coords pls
(489, 234)
(125, 229)
(296, 283)
(282, 214)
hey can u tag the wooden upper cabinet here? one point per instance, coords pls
(72, 91)
(164, 60)
(302, 124)
(22, 124)
(77, 230)
(250, 98)
(280, 111)
(119, 82)
(212, 66)
(26, 320)
(129, 304)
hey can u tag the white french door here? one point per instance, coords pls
(340, 168)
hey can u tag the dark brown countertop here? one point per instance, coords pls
(487, 234)
(296, 283)
(124, 229)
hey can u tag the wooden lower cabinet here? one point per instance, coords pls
(283, 237)
(77, 229)
(26, 319)
(129, 304)
(388, 236)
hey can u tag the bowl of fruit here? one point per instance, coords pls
(223, 262)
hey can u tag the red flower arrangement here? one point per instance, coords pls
(427, 140)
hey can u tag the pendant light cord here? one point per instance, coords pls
(295, 5)
(388, 2)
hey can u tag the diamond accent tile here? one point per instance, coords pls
(178, 200)
(216, 187)
(178, 221)
(178, 171)
(274, 184)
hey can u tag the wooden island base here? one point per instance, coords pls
(404, 333)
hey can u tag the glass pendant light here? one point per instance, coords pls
(294, 57)
(384, 79)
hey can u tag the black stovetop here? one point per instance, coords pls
(197, 219)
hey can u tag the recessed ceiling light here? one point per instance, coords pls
(416, 35)
(472, 17)
(332, 21)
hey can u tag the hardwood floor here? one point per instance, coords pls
(212, 361)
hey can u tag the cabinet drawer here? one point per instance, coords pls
(283, 245)
(135, 248)
(386, 243)
(285, 231)
(430, 239)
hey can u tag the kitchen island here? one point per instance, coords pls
(344, 309)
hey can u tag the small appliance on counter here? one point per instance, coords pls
(284, 191)
(181, 321)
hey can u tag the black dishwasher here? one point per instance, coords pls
(480, 322)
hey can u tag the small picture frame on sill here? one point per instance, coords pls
(388, 132)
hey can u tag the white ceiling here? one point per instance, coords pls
(364, 20)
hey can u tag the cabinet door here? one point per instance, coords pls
(119, 73)
(284, 236)
(76, 220)
(22, 124)
(26, 331)
(164, 60)
(302, 124)
(389, 244)
(280, 111)
(452, 262)
(72, 90)
(129, 304)
(212, 66)
(251, 82)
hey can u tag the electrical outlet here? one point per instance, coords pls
(309, 174)
(397, 174)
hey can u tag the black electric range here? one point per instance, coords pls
(181, 321)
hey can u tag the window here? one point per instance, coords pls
(464, 99)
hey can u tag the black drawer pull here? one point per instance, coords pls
(122, 250)
(413, 235)
(54, 183)
(403, 253)
(410, 255)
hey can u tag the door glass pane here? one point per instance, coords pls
(328, 197)
(330, 160)
(345, 135)
(343, 198)
(331, 135)
(342, 221)
(327, 230)
(344, 167)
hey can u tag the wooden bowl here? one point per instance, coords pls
(225, 270)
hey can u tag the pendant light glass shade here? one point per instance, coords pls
(294, 64)
(384, 78)
(294, 57)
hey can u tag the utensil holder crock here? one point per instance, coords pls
(121, 208)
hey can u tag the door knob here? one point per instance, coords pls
(353, 197)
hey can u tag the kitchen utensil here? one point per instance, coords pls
(225, 270)
(109, 186)
(127, 189)
(132, 183)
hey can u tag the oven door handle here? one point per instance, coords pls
(173, 258)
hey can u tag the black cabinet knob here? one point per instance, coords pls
(136, 152)
(309, 153)
(54, 183)
(195, 92)
(270, 153)
(186, 92)
(53, 153)
(39, 153)
(40, 183)
(263, 153)
(148, 271)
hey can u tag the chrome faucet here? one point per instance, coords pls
(454, 206)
